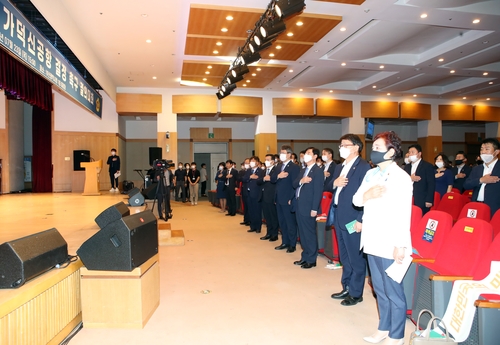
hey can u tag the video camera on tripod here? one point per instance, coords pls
(163, 164)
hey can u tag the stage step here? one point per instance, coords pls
(168, 237)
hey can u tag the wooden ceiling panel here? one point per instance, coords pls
(288, 52)
(206, 46)
(200, 68)
(210, 21)
(348, 2)
(314, 27)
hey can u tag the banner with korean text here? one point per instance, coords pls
(28, 45)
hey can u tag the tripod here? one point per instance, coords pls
(162, 195)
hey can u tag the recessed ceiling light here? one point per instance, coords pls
(207, 72)
(204, 79)
(414, 95)
(452, 71)
(271, 55)
(487, 99)
(490, 83)
(331, 91)
(223, 29)
(259, 69)
(476, 21)
(299, 23)
(218, 44)
(291, 70)
(374, 86)
(485, 73)
(301, 90)
(464, 97)
(229, 18)
(278, 47)
(343, 29)
(209, 67)
(423, 15)
(290, 34)
(343, 64)
(381, 66)
(254, 74)
(148, 41)
(144, 15)
(244, 85)
(388, 94)
(216, 52)
(154, 77)
(441, 60)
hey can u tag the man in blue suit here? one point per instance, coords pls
(348, 219)
(269, 200)
(253, 179)
(309, 191)
(284, 175)
(461, 171)
(422, 174)
(484, 179)
(328, 168)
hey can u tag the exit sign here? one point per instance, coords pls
(210, 135)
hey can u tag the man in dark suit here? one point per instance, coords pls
(244, 192)
(309, 191)
(268, 200)
(284, 175)
(253, 180)
(484, 179)
(231, 176)
(328, 168)
(422, 175)
(461, 171)
(348, 219)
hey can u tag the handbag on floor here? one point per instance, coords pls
(428, 336)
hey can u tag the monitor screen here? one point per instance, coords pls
(370, 127)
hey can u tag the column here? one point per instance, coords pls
(167, 129)
(266, 131)
(430, 135)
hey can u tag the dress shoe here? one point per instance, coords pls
(281, 247)
(227, 215)
(257, 231)
(251, 230)
(245, 223)
(299, 263)
(265, 237)
(290, 249)
(342, 294)
(272, 239)
(308, 265)
(349, 300)
(376, 337)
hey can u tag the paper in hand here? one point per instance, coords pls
(397, 271)
(117, 174)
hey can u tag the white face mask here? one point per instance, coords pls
(180, 167)
(344, 152)
(113, 153)
(407, 160)
(486, 157)
(283, 157)
(221, 168)
(252, 164)
(413, 158)
(308, 158)
(247, 166)
(302, 160)
(324, 158)
(268, 164)
(439, 164)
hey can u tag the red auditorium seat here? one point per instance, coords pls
(477, 210)
(437, 200)
(495, 223)
(451, 203)
(468, 194)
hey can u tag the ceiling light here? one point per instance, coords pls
(232, 80)
(223, 29)
(490, 83)
(290, 34)
(229, 17)
(209, 67)
(331, 91)
(207, 72)
(218, 44)
(381, 66)
(374, 86)
(487, 99)
(343, 64)
(216, 52)
(423, 15)
(299, 23)
(278, 47)
(414, 95)
(286, 8)
(441, 60)
(301, 90)
(259, 69)
(239, 70)
(204, 79)
(388, 94)
(452, 71)
(148, 41)
(254, 74)
(248, 81)
(485, 73)
(476, 21)
(464, 97)
(272, 28)
(154, 77)
(291, 71)
(228, 87)
(244, 85)
(343, 29)
(271, 55)
(249, 58)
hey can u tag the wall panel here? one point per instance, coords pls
(333, 107)
(379, 110)
(293, 106)
(455, 112)
(486, 113)
(418, 111)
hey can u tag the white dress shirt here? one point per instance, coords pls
(386, 220)
(487, 169)
(414, 166)
(345, 170)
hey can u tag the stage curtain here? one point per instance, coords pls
(41, 165)
(20, 82)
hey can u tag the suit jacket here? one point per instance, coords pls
(285, 191)
(268, 188)
(347, 212)
(241, 174)
(459, 182)
(491, 190)
(231, 183)
(328, 184)
(310, 193)
(254, 185)
(423, 190)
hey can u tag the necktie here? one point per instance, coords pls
(227, 180)
(283, 166)
(297, 193)
(268, 171)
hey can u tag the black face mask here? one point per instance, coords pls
(459, 161)
(378, 157)
(479, 162)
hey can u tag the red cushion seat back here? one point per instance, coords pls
(428, 236)
(451, 203)
(477, 210)
(326, 200)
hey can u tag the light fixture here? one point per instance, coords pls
(228, 88)
(381, 66)
(290, 34)
(491, 83)
(301, 90)
(207, 72)
(287, 8)
(218, 44)
(154, 77)
(148, 41)
(278, 47)
(259, 69)
(223, 29)
(414, 95)
(487, 99)
(209, 67)
(271, 55)
(476, 21)
(204, 79)
(441, 60)
(485, 73)
(239, 70)
(291, 71)
(249, 58)
(254, 74)
(388, 94)
(258, 45)
(272, 28)
(232, 80)
(299, 23)
(248, 81)
(374, 86)
(343, 64)
(343, 29)
(245, 85)
(452, 71)
(216, 52)
(423, 15)
(331, 91)
(229, 18)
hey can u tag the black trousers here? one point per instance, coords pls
(255, 209)
(271, 216)
(246, 213)
(288, 225)
(114, 181)
(203, 188)
(231, 200)
(308, 237)
(163, 195)
(182, 187)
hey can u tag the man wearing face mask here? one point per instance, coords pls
(461, 171)
(114, 168)
(193, 176)
(285, 174)
(253, 178)
(268, 200)
(231, 177)
(309, 191)
(484, 179)
(348, 219)
(328, 168)
(422, 175)
(301, 159)
(244, 191)
(179, 182)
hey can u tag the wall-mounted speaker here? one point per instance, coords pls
(112, 213)
(27, 257)
(122, 245)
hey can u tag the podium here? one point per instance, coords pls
(92, 170)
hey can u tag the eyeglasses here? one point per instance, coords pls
(341, 146)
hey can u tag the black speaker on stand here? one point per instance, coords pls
(30, 256)
(135, 198)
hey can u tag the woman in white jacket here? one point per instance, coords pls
(386, 195)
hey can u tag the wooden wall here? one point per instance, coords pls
(4, 156)
(63, 145)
